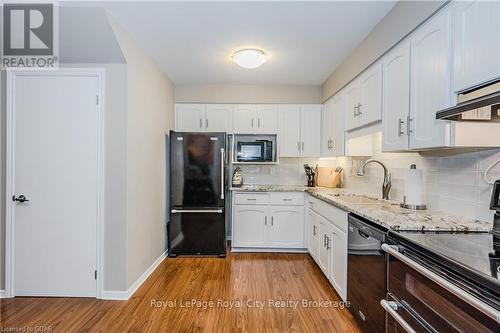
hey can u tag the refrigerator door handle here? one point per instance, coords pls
(181, 211)
(222, 167)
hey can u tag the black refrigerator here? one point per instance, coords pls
(197, 194)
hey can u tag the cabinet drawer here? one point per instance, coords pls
(333, 214)
(287, 198)
(251, 198)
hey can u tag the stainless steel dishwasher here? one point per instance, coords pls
(366, 273)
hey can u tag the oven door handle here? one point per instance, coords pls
(390, 308)
(466, 297)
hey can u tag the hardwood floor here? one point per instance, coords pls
(161, 304)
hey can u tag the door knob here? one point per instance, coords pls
(20, 198)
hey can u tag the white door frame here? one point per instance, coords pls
(99, 73)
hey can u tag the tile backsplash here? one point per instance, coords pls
(451, 183)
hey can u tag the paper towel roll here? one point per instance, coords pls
(413, 186)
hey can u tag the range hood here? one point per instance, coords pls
(479, 105)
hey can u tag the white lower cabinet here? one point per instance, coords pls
(276, 222)
(327, 242)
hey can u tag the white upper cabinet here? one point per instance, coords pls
(190, 117)
(289, 130)
(299, 130)
(363, 98)
(219, 118)
(396, 98)
(255, 119)
(352, 102)
(243, 119)
(430, 88)
(370, 108)
(476, 43)
(332, 131)
(266, 119)
(310, 131)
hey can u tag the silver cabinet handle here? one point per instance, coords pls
(206, 122)
(222, 176)
(298, 145)
(408, 125)
(272, 221)
(252, 122)
(324, 240)
(191, 211)
(314, 230)
(201, 123)
(258, 122)
(328, 243)
(400, 127)
(355, 111)
(390, 308)
(302, 145)
(251, 199)
(466, 297)
(265, 220)
(287, 199)
(360, 107)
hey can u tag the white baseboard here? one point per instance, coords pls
(3, 294)
(264, 250)
(125, 295)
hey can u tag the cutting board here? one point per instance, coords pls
(327, 177)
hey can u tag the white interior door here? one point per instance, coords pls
(55, 166)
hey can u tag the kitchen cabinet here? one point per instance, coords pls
(324, 251)
(286, 227)
(219, 118)
(310, 130)
(364, 98)
(300, 130)
(250, 226)
(289, 130)
(190, 117)
(203, 118)
(430, 87)
(313, 234)
(396, 98)
(338, 260)
(476, 43)
(268, 221)
(332, 131)
(255, 119)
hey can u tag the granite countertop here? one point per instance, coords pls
(383, 212)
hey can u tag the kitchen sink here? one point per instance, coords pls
(358, 199)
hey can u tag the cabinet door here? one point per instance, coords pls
(287, 227)
(370, 110)
(310, 132)
(430, 82)
(190, 117)
(324, 246)
(338, 261)
(338, 127)
(327, 129)
(243, 119)
(219, 118)
(352, 101)
(396, 98)
(476, 43)
(313, 234)
(289, 130)
(250, 226)
(266, 119)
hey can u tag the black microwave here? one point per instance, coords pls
(254, 151)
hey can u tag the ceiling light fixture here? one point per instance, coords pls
(249, 58)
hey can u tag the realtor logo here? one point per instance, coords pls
(29, 35)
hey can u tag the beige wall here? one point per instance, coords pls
(398, 23)
(219, 93)
(150, 115)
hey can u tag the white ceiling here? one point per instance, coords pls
(192, 41)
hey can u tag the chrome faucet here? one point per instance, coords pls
(386, 186)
